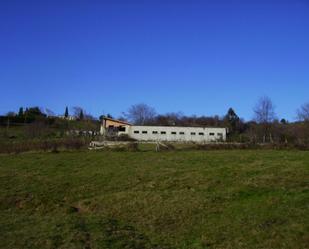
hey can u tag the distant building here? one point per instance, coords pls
(67, 118)
(162, 133)
(114, 127)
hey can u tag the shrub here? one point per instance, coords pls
(133, 147)
(43, 145)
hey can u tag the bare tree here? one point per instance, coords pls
(264, 110)
(49, 112)
(264, 114)
(140, 114)
(9, 115)
(303, 112)
(78, 112)
(37, 128)
(88, 116)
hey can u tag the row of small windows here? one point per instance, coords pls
(180, 133)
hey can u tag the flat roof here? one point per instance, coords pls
(171, 126)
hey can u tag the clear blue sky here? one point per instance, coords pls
(198, 57)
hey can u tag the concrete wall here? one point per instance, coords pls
(185, 134)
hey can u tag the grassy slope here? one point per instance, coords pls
(192, 199)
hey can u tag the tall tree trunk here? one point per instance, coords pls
(270, 138)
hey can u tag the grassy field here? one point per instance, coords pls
(177, 199)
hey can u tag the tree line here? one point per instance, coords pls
(265, 127)
(36, 122)
(32, 114)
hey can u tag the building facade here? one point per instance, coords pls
(163, 133)
(113, 126)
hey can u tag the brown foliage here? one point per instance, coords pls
(43, 145)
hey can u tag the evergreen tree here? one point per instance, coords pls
(21, 112)
(66, 113)
(33, 113)
(81, 115)
(232, 119)
(101, 117)
(26, 115)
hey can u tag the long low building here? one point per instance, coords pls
(162, 133)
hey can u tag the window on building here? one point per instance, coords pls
(163, 132)
(219, 134)
(173, 133)
(181, 133)
(136, 132)
(201, 133)
(121, 128)
(211, 134)
(144, 132)
(193, 133)
(154, 132)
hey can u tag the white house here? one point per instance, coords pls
(163, 133)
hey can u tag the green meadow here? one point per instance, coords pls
(160, 200)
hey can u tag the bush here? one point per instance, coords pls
(74, 144)
(43, 145)
(133, 147)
